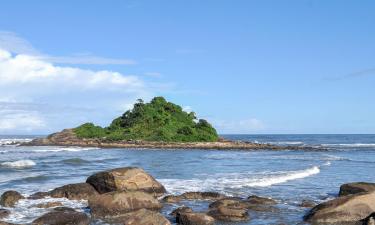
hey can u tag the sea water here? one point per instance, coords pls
(288, 176)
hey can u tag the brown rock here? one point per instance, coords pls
(192, 218)
(125, 179)
(38, 195)
(4, 213)
(343, 210)
(307, 204)
(357, 187)
(74, 191)
(202, 196)
(182, 209)
(172, 198)
(48, 205)
(228, 213)
(10, 198)
(253, 199)
(63, 208)
(119, 203)
(231, 202)
(62, 217)
(143, 217)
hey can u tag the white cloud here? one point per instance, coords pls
(11, 42)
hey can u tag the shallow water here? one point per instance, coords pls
(287, 176)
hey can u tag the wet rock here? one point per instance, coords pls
(182, 209)
(63, 208)
(357, 187)
(262, 208)
(253, 199)
(62, 217)
(348, 209)
(172, 198)
(4, 213)
(229, 213)
(202, 196)
(143, 217)
(118, 203)
(193, 218)
(231, 201)
(48, 205)
(77, 191)
(10, 198)
(38, 195)
(307, 204)
(125, 179)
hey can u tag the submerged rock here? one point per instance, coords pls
(38, 195)
(357, 187)
(253, 199)
(119, 203)
(10, 198)
(193, 218)
(62, 217)
(126, 179)
(182, 209)
(229, 213)
(307, 204)
(202, 196)
(48, 205)
(142, 217)
(4, 213)
(77, 191)
(343, 210)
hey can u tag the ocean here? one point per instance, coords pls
(288, 176)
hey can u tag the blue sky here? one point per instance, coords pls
(247, 66)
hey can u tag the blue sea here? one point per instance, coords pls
(288, 176)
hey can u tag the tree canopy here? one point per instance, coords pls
(158, 120)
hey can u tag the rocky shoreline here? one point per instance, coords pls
(131, 196)
(68, 138)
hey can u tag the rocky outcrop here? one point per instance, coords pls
(182, 209)
(62, 217)
(194, 218)
(126, 179)
(77, 191)
(193, 196)
(307, 204)
(350, 209)
(119, 203)
(142, 217)
(10, 198)
(4, 213)
(357, 187)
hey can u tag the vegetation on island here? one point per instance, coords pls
(158, 120)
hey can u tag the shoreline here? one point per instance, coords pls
(68, 138)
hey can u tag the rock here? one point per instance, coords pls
(172, 198)
(230, 202)
(202, 196)
(253, 199)
(370, 220)
(357, 187)
(228, 213)
(4, 213)
(143, 217)
(63, 208)
(10, 198)
(182, 209)
(62, 217)
(119, 203)
(343, 210)
(125, 179)
(48, 205)
(6, 223)
(307, 204)
(38, 195)
(192, 218)
(74, 191)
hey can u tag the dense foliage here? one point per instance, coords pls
(157, 120)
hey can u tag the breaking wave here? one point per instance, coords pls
(62, 149)
(19, 164)
(13, 141)
(352, 145)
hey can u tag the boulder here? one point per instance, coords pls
(10, 198)
(143, 217)
(80, 191)
(357, 187)
(38, 195)
(182, 209)
(230, 202)
(348, 209)
(62, 217)
(307, 204)
(4, 213)
(48, 205)
(202, 196)
(229, 213)
(253, 199)
(125, 179)
(172, 198)
(193, 218)
(118, 203)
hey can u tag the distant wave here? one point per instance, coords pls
(75, 161)
(352, 145)
(227, 182)
(62, 149)
(286, 142)
(19, 164)
(13, 141)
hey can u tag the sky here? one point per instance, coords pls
(248, 67)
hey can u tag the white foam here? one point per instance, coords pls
(64, 149)
(358, 145)
(225, 183)
(19, 164)
(13, 141)
(286, 142)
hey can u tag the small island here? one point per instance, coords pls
(156, 124)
